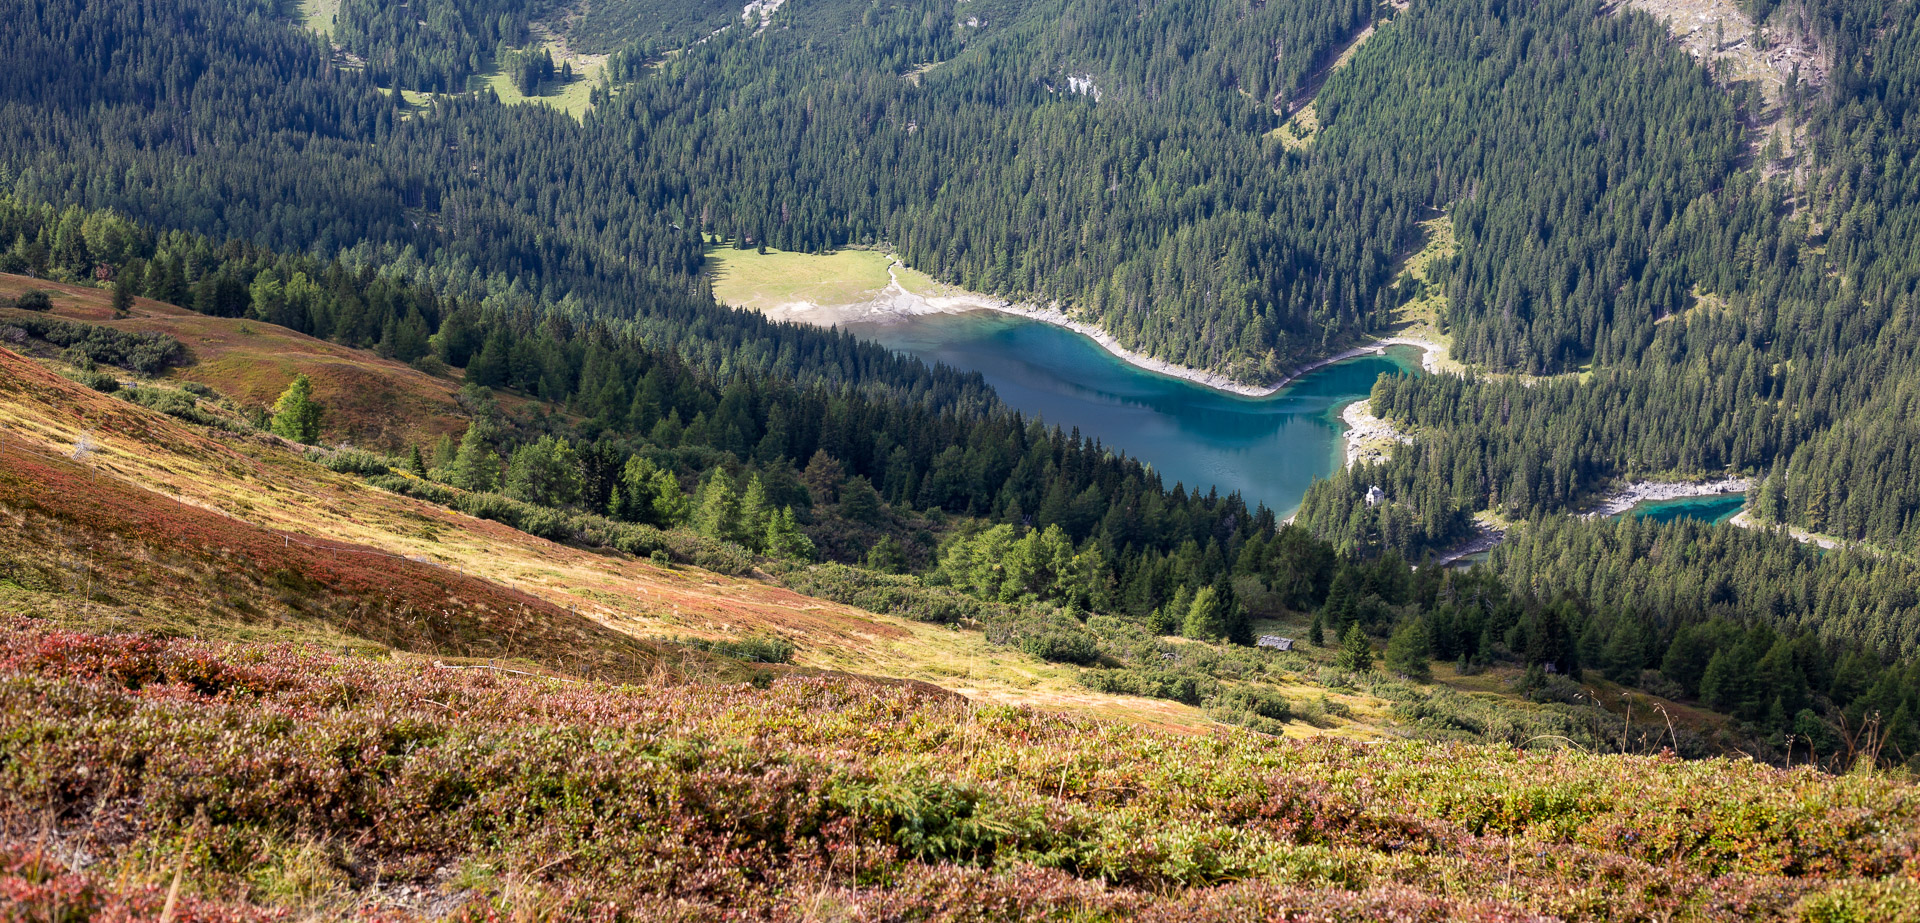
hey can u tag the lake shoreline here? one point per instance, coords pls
(1430, 352)
(896, 301)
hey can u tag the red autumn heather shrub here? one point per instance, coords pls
(281, 779)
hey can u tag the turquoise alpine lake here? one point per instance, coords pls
(1268, 449)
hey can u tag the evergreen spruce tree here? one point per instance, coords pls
(1342, 605)
(858, 500)
(545, 471)
(1408, 650)
(756, 515)
(632, 498)
(649, 494)
(475, 466)
(296, 415)
(489, 368)
(784, 538)
(717, 513)
(123, 294)
(1171, 619)
(416, 464)
(1768, 506)
(1356, 652)
(671, 508)
(887, 556)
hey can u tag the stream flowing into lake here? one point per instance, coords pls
(1268, 449)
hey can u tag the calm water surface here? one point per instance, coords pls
(1268, 449)
(1712, 510)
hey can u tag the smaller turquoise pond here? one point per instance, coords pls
(1712, 510)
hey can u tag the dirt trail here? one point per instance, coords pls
(1744, 519)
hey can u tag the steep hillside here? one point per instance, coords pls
(371, 401)
(162, 525)
(77, 534)
(207, 782)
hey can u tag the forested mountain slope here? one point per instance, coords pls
(231, 122)
(1054, 150)
(1787, 348)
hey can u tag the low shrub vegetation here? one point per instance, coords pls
(146, 353)
(284, 782)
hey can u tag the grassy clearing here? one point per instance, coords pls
(319, 15)
(1299, 131)
(574, 97)
(1423, 316)
(748, 279)
(415, 99)
(914, 74)
(919, 283)
(1700, 302)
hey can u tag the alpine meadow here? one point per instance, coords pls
(960, 460)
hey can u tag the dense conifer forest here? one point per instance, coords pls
(1126, 169)
(1788, 354)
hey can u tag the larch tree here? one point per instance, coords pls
(296, 415)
